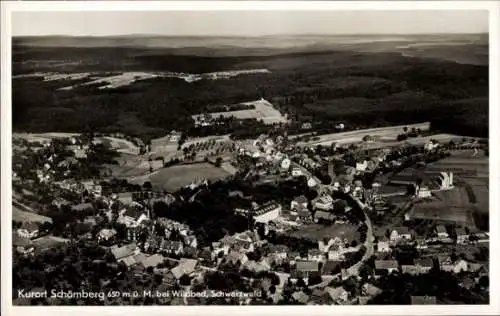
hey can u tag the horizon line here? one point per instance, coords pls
(256, 36)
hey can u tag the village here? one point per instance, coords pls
(353, 221)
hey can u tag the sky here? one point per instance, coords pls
(247, 23)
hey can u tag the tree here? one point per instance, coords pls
(185, 280)
(147, 186)
(218, 162)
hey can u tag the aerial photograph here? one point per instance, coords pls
(250, 157)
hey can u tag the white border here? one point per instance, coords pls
(9, 6)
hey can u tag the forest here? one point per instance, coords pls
(323, 88)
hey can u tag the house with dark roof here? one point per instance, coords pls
(133, 215)
(331, 267)
(441, 232)
(299, 202)
(170, 246)
(307, 266)
(323, 216)
(185, 267)
(370, 290)
(82, 207)
(279, 251)
(315, 255)
(424, 265)
(300, 297)
(106, 234)
(236, 257)
(385, 265)
(123, 252)
(423, 300)
(338, 294)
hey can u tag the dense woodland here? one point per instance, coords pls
(359, 89)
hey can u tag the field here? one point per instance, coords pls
(317, 232)
(263, 111)
(175, 177)
(23, 216)
(357, 136)
(477, 185)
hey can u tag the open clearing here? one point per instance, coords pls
(23, 216)
(175, 177)
(476, 185)
(263, 111)
(317, 232)
(357, 136)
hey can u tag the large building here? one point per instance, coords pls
(262, 214)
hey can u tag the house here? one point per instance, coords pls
(293, 256)
(315, 255)
(370, 290)
(424, 265)
(299, 202)
(151, 261)
(220, 247)
(400, 233)
(319, 297)
(300, 297)
(236, 257)
(441, 232)
(28, 230)
(323, 202)
(468, 283)
(129, 250)
(385, 191)
(267, 212)
(82, 207)
(446, 264)
(460, 266)
(304, 215)
(191, 241)
(338, 294)
(383, 244)
(170, 246)
(279, 251)
(336, 252)
(125, 197)
(133, 215)
(462, 236)
(23, 245)
(307, 266)
(106, 234)
(185, 267)
(385, 265)
(296, 275)
(331, 267)
(423, 300)
(325, 244)
(323, 216)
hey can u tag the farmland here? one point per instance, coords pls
(263, 110)
(24, 216)
(175, 177)
(357, 136)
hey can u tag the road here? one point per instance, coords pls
(353, 270)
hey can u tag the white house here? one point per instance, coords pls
(299, 202)
(28, 230)
(400, 233)
(266, 213)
